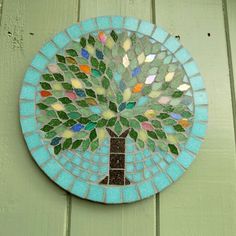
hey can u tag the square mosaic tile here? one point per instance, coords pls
(113, 109)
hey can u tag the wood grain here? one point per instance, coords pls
(202, 203)
(30, 204)
(139, 218)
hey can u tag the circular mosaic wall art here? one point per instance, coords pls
(113, 109)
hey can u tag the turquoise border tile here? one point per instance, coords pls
(49, 50)
(197, 82)
(104, 22)
(27, 108)
(74, 31)
(146, 28)
(193, 145)
(160, 35)
(172, 44)
(130, 194)
(113, 195)
(161, 181)
(146, 189)
(199, 129)
(39, 62)
(200, 98)
(52, 168)
(33, 141)
(80, 188)
(96, 193)
(61, 39)
(117, 21)
(28, 125)
(185, 159)
(89, 25)
(182, 55)
(32, 76)
(65, 179)
(131, 23)
(41, 155)
(28, 92)
(174, 171)
(191, 68)
(201, 113)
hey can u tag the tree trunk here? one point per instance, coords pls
(117, 160)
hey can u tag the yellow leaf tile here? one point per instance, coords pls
(58, 106)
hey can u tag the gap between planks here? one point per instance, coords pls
(230, 63)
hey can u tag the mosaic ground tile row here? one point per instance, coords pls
(113, 109)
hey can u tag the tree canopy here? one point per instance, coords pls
(116, 80)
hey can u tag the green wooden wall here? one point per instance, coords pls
(202, 203)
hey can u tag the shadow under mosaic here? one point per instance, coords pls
(113, 109)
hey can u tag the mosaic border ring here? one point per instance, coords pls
(84, 171)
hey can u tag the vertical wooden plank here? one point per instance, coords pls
(122, 220)
(203, 202)
(30, 204)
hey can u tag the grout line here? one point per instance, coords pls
(230, 63)
(1, 8)
(68, 214)
(78, 11)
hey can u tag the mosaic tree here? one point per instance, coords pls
(115, 85)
